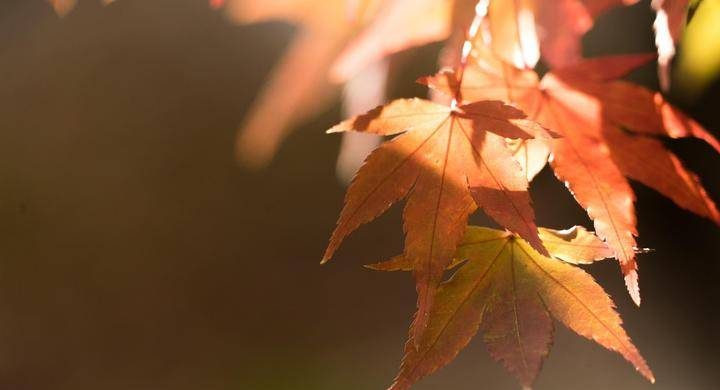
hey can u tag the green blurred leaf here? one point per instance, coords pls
(699, 60)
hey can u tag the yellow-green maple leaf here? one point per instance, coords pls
(510, 292)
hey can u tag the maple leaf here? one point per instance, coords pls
(338, 39)
(447, 161)
(575, 245)
(335, 41)
(401, 24)
(509, 292)
(608, 128)
(518, 31)
(298, 86)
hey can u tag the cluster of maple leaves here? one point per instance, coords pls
(480, 146)
(338, 40)
(492, 125)
(480, 153)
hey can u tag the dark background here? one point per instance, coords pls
(136, 254)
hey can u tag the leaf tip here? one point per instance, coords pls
(646, 372)
(253, 151)
(381, 267)
(631, 281)
(326, 257)
(398, 384)
(333, 130)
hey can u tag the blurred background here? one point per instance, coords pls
(135, 253)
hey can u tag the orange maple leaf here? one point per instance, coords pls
(519, 31)
(448, 161)
(508, 292)
(608, 128)
(299, 86)
(335, 40)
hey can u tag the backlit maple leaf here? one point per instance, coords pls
(335, 41)
(575, 245)
(299, 86)
(447, 162)
(608, 128)
(508, 292)
(518, 31)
